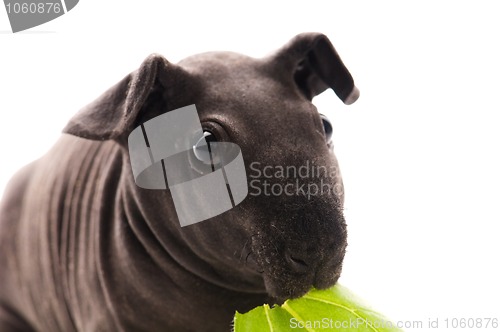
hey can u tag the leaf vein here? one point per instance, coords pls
(296, 315)
(266, 311)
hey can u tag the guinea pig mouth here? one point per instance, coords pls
(283, 279)
(290, 286)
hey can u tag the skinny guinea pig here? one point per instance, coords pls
(83, 248)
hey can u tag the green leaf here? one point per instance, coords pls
(334, 309)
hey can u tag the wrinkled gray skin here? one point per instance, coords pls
(82, 248)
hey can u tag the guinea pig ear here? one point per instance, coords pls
(116, 111)
(316, 66)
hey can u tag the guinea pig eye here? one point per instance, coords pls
(327, 126)
(201, 148)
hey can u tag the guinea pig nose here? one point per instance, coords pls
(296, 261)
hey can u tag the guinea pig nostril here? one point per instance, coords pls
(296, 262)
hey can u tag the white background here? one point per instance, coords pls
(419, 151)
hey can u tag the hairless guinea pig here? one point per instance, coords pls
(84, 248)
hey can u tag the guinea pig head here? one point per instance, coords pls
(290, 228)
